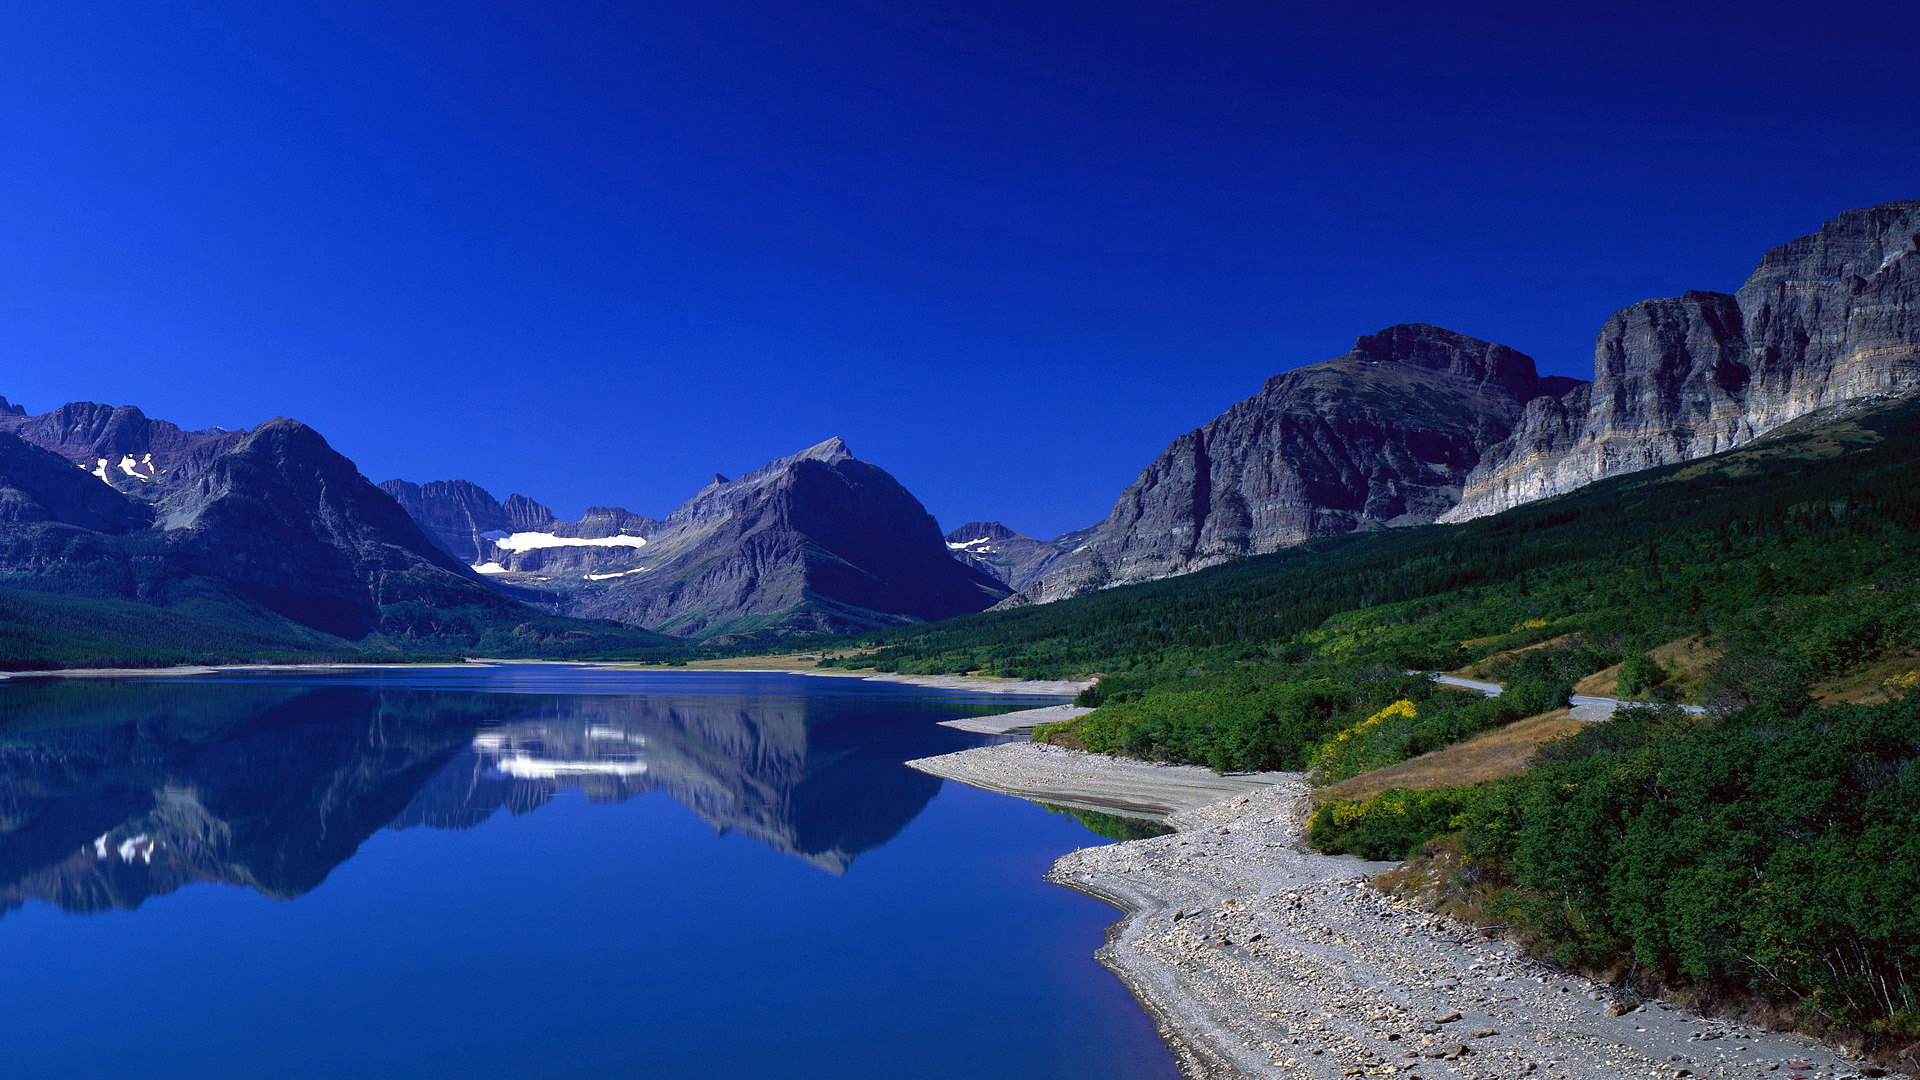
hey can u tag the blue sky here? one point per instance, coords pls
(596, 252)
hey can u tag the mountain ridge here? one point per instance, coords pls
(1378, 437)
(1824, 319)
(816, 541)
(270, 532)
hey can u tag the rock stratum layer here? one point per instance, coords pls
(1382, 436)
(1828, 319)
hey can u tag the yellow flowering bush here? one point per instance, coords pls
(1367, 745)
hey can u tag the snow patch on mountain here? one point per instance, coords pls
(132, 467)
(528, 541)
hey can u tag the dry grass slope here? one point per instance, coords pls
(1686, 659)
(1491, 755)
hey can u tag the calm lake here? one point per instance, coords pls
(533, 871)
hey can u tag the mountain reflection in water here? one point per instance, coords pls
(112, 793)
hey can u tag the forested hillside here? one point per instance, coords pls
(1791, 562)
(1770, 856)
(1762, 853)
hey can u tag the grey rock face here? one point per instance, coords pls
(467, 522)
(1014, 559)
(1829, 318)
(606, 521)
(525, 515)
(457, 515)
(519, 535)
(1382, 436)
(292, 524)
(818, 541)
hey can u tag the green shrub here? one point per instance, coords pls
(1391, 825)
(1639, 674)
(1776, 853)
(1531, 696)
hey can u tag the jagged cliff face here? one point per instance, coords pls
(1382, 436)
(1827, 319)
(456, 515)
(464, 520)
(816, 542)
(604, 543)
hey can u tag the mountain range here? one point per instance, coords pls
(817, 542)
(128, 539)
(1418, 424)
(264, 542)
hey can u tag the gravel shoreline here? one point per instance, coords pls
(1016, 723)
(1257, 957)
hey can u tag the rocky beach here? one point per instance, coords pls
(1257, 957)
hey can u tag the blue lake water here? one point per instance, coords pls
(533, 871)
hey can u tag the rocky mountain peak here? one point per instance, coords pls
(1378, 437)
(289, 521)
(526, 515)
(831, 452)
(720, 497)
(1012, 558)
(980, 530)
(39, 487)
(814, 541)
(457, 515)
(8, 408)
(604, 521)
(287, 431)
(1439, 349)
